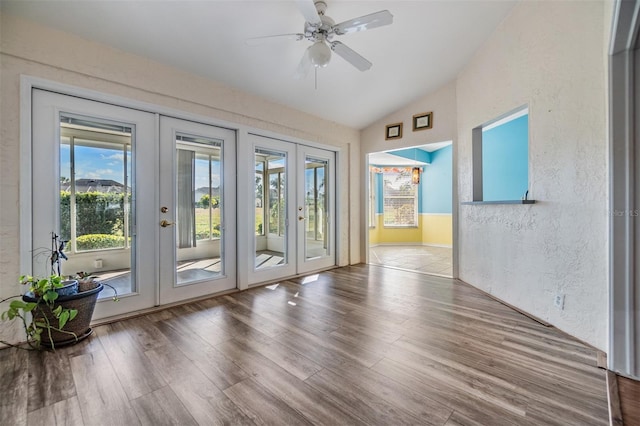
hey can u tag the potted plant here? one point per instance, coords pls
(55, 312)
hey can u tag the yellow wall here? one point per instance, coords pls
(435, 229)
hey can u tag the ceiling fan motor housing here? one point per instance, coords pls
(317, 33)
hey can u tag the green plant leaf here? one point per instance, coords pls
(50, 295)
(29, 306)
(17, 304)
(57, 311)
(62, 320)
(56, 281)
(72, 313)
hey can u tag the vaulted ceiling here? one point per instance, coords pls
(427, 45)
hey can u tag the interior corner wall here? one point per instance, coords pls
(27, 48)
(548, 55)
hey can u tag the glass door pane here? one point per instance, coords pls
(96, 201)
(198, 209)
(271, 209)
(315, 202)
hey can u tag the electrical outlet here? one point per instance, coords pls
(558, 301)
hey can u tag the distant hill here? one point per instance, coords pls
(215, 191)
(98, 185)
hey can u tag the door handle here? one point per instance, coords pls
(164, 223)
(300, 217)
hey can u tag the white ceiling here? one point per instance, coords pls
(427, 46)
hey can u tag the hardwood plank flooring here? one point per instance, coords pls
(629, 391)
(361, 345)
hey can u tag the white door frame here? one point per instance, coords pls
(624, 181)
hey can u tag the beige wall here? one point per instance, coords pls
(548, 55)
(30, 49)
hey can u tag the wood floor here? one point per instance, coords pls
(629, 394)
(361, 345)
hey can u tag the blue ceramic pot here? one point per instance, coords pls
(68, 288)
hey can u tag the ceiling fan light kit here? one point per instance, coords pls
(319, 54)
(320, 30)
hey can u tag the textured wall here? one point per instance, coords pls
(31, 49)
(548, 55)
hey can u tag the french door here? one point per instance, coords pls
(197, 210)
(94, 172)
(144, 202)
(294, 198)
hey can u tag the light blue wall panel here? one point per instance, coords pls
(505, 161)
(436, 182)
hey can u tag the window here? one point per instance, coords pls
(95, 185)
(501, 158)
(400, 198)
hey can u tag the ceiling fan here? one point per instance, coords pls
(321, 29)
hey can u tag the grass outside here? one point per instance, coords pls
(202, 222)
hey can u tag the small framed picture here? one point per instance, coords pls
(394, 131)
(422, 121)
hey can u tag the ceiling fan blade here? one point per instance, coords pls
(254, 41)
(367, 22)
(304, 66)
(308, 10)
(351, 56)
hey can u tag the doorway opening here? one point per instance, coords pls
(410, 209)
